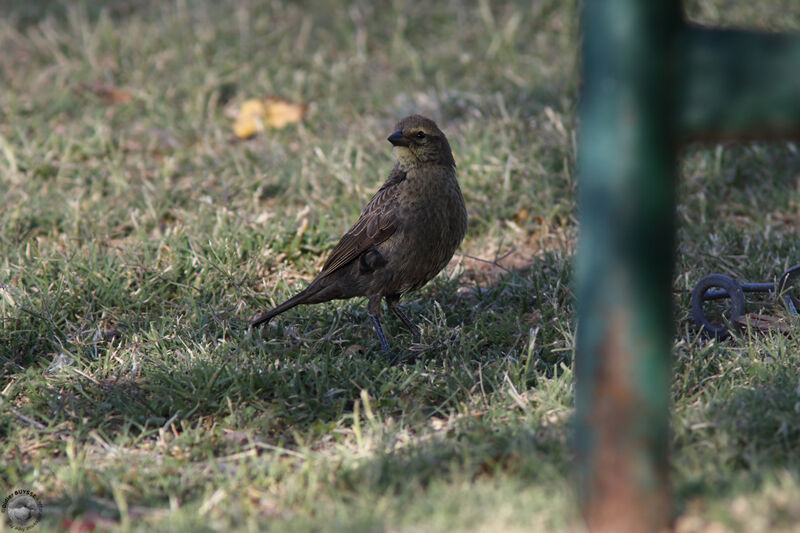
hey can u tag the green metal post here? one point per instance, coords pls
(650, 84)
(626, 195)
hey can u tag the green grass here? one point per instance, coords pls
(138, 239)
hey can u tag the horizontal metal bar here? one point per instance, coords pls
(737, 84)
(758, 287)
(746, 287)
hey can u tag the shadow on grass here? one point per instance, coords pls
(474, 335)
(520, 448)
(533, 450)
(216, 391)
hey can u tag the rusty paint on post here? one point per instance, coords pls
(617, 504)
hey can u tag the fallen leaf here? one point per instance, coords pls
(279, 112)
(760, 322)
(250, 119)
(521, 216)
(256, 115)
(108, 93)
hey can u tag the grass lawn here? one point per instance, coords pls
(139, 236)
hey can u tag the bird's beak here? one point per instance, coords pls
(398, 139)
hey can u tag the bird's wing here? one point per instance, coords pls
(377, 223)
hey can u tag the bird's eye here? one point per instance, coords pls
(420, 135)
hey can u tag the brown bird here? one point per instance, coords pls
(406, 234)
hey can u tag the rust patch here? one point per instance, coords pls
(627, 491)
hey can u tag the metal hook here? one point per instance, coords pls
(702, 292)
(730, 288)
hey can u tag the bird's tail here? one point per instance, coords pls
(300, 298)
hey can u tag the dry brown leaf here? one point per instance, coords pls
(108, 93)
(521, 216)
(761, 322)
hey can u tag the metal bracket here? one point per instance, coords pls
(734, 290)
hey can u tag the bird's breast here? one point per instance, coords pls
(434, 221)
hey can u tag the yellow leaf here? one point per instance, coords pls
(255, 115)
(250, 119)
(279, 112)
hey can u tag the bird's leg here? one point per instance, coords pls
(416, 335)
(374, 311)
(379, 330)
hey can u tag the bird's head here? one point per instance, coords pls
(418, 140)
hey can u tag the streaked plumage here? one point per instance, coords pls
(406, 234)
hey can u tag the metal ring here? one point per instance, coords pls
(783, 289)
(736, 294)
